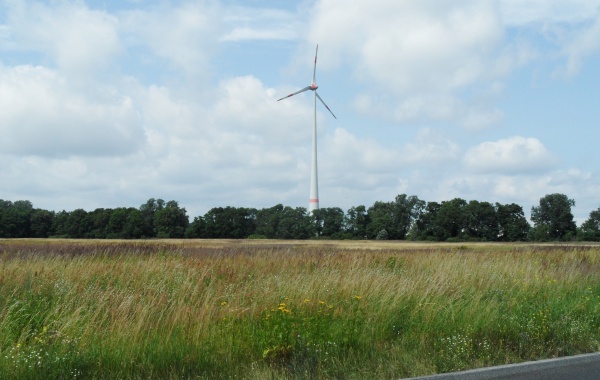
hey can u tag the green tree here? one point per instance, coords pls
(77, 225)
(357, 221)
(15, 219)
(294, 223)
(115, 227)
(512, 224)
(451, 221)
(426, 226)
(4, 207)
(481, 221)
(229, 223)
(133, 228)
(41, 223)
(279, 222)
(381, 217)
(170, 221)
(267, 221)
(148, 211)
(406, 210)
(382, 235)
(196, 229)
(395, 217)
(590, 229)
(60, 224)
(328, 221)
(97, 221)
(553, 219)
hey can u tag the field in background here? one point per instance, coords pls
(300, 309)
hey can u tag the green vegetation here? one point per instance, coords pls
(272, 309)
(405, 218)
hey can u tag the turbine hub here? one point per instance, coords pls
(313, 86)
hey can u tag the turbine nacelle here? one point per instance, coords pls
(313, 87)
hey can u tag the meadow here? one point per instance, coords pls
(240, 309)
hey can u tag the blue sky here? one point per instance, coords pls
(110, 103)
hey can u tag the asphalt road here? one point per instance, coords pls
(580, 367)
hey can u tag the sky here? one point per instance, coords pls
(107, 104)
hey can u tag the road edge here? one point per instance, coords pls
(502, 371)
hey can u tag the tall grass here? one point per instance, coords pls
(200, 310)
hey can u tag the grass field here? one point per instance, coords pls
(276, 309)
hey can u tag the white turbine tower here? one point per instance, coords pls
(313, 203)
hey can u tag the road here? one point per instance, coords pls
(580, 367)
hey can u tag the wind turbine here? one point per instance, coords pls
(313, 203)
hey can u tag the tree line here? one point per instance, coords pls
(404, 218)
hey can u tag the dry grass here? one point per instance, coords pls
(181, 308)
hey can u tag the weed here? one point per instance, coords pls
(254, 308)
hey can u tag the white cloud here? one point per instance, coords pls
(509, 156)
(421, 53)
(475, 119)
(241, 144)
(245, 105)
(359, 158)
(43, 115)
(183, 36)
(583, 44)
(243, 34)
(77, 39)
(408, 46)
(177, 127)
(572, 26)
(244, 23)
(346, 154)
(430, 148)
(526, 190)
(355, 170)
(524, 12)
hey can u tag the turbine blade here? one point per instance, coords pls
(315, 68)
(316, 93)
(295, 93)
